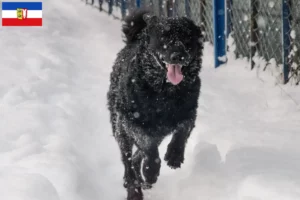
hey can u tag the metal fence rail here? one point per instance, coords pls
(295, 41)
(267, 31)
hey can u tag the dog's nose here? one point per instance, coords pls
(176, 57)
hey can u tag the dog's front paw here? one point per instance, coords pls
(151, 170)
(174, 157)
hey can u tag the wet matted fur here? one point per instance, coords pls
(154, 91)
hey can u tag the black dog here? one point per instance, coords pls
(154, 92)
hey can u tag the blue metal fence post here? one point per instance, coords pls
(123, 8)
(187, 8)
(219, 32)
(110, 6)
(286, 40)
(138, 3)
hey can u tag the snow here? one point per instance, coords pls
(261, 22)
(222, 58)
(271, 4)
(293, 34)
(56, 141)
(136, 114)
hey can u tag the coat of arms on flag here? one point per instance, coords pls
(22, 14)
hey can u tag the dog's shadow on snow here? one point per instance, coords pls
(211, 178)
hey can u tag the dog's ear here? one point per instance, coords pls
(199, 31)
(150, 19)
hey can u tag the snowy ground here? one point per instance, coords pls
(55, 136)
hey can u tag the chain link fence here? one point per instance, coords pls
(267, 32)
(256, 29)
(207, 19)
(259, 28)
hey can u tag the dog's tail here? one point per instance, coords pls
(134, 24)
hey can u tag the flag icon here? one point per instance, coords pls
(22, 14)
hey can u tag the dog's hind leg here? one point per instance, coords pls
(126, 145)
(136, 163)
(134, 191)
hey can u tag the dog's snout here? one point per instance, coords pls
(176, 57)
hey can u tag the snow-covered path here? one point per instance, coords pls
(55, 136)
(55, 139)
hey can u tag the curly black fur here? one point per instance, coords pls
(144, 107)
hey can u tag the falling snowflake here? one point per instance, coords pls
(136, 115)
(261, 22)
(293, 34)
(271, 4)
(295, 48)
(252, 44)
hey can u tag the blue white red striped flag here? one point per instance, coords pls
(22, 14)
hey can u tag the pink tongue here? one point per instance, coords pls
(174, 74)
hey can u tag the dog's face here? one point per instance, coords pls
(176, 43)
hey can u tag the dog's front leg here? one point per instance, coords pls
(176, 148)
(151, 165)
